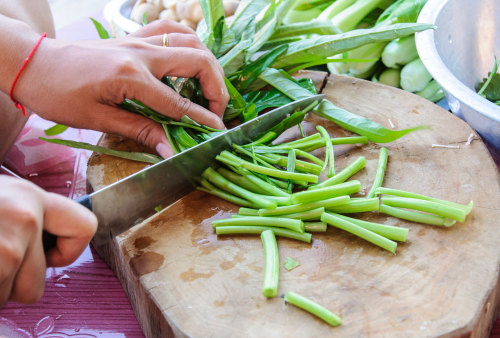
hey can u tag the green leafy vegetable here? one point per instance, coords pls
(55, 130)
(103, 33)
(361, 125)
(489, 88)
(135, 156)
(314, 49)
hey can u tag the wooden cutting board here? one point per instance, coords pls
(182, 279)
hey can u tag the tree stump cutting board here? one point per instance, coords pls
(182, 279)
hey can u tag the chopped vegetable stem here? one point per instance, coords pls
(248, 211)
(345, 188)
(225, 155)
(315, 226)
(287, 223)
(256, 230)
(343, 175)
(329, 155)
(414, 216)
(359, 231)
(329, 203)
(391, 232)
(401, 193)
(439, 209)
(209, 188)
(272, 265)
(314, 214)
(313, 308)
(218, 180)
(356, 205)
(379, 175)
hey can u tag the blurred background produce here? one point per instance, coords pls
(394, 63)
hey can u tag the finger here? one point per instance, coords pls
(188, 63)
(165, 100)
(159, 27)
(74, 226)
(30, 278)
(182, 40)
(145, 131)
(22, 268)
(178, 40)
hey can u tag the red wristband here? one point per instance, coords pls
(17, 103)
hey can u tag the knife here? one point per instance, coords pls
(131, 200)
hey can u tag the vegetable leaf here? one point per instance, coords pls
(361, 125)
(290, 263)
(314, 49)
(490, 87)
(135, 156)
(248, 74)
(55, 130)
(284, 83)
(103, 33)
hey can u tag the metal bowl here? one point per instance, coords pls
(117, 13)
(459, 53)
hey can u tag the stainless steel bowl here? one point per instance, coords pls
(459, 53)
(117, 13)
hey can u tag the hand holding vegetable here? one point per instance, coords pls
(81, 84)
(26, 210)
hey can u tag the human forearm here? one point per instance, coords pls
(16, 42)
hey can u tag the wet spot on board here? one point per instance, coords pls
(143, 242)
(191, 275)
(219, 303)
(146, 262)
(255, 268)
(243, 277)
(421, 232)
(226, 265)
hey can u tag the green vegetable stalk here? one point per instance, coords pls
(379, 175)
(319, 194)
(272, 267)
(290, 224)
(457, 214)
(290, 209)
(388, 231)
(359, 231)
(257, 230)
(356, 205)
(313, 308)
(400, 52)
(414, 76)
(343, 175)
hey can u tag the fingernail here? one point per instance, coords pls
(164, 150)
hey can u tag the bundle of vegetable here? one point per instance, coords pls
(394, 63)
(252, 53)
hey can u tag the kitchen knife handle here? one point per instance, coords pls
(49, 240)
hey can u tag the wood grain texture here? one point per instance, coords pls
(441, 282)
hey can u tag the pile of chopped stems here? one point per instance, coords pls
(259, 48)
(281, 192)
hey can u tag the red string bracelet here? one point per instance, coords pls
(17, 103)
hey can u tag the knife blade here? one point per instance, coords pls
(131, 200)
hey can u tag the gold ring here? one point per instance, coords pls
(165, 40)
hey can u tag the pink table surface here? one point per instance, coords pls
(84, 299)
